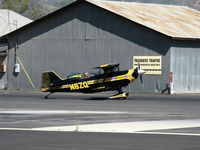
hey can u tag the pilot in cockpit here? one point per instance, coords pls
(85, 75)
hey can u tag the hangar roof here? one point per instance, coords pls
(10, 21)
(174, 21)
(178, 22)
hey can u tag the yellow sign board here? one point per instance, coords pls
(151, 64)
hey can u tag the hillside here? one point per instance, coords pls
(190, 3)
(39, 8)
(56, 4)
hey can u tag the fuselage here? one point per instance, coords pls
(96, 83)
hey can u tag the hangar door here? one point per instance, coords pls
(185, 65)
(3, 64)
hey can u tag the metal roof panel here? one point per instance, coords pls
(173, 21)
(10, 21)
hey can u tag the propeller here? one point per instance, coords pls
(139, 72)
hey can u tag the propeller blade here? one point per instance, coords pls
(141, 79)
(138, 65)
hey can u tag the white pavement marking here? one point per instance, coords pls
(127, 127)
(123, 127)
(168, 133)
(141, 127)
(43, 112)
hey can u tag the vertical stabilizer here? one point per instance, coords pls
(49, 79)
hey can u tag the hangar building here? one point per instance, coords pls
(88, 33)
(9, 21)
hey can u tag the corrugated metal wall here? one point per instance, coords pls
(82, 37)
(185, 65)
(3, 61)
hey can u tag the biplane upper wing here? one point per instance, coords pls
(108, 67)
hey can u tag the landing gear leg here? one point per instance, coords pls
(46, 97)
(120, 95)
(120, 90)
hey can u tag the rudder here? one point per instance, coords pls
(49, 79)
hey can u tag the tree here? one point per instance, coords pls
(35, 12)
(19, 6)
(23, 7)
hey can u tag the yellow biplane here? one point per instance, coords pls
(109, 78)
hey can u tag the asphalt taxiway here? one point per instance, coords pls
(77, 121)
(35, 140)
